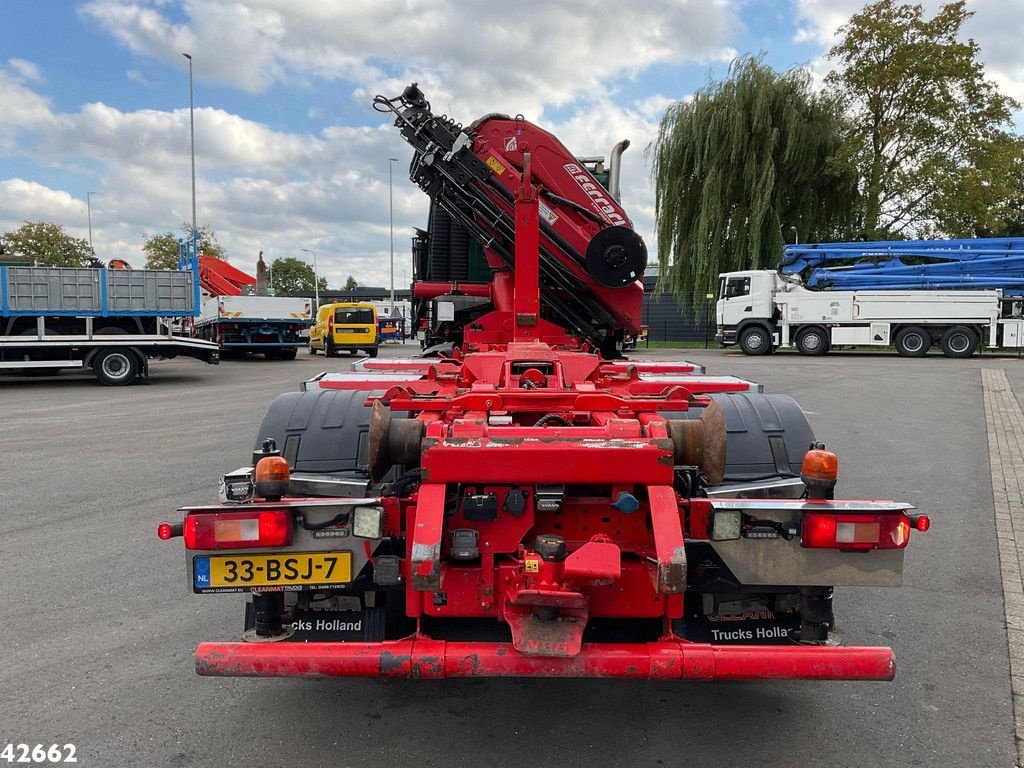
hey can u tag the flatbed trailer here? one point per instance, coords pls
(268, 325)
(109, 321)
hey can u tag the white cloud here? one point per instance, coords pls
(517, 56)
(22, 107)
(26, 70)
(260, 189)
(22, 201)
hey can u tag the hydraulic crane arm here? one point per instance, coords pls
(591, 260)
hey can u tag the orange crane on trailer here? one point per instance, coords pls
(241, 322)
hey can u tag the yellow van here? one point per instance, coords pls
(344, 326)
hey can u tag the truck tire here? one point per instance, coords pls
(959, 341)
(755, 340)
(115, 367)
(372, 352)
(312, 349)
(329, 348)
(913, 341)
(813, 341)
(286, 354)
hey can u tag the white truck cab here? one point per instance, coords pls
(746, 311)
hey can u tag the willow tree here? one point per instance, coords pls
(748, 163)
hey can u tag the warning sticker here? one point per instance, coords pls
(531, 565)
(495, 165)
(547, 213)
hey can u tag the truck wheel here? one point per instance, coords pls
(115, 367)
(755, 340)
(312, 349)
(959, 341)
(329, 349)
(813, 341)
(372, 352)
(286, 354)
(913, 342)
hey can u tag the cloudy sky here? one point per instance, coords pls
(289, 153)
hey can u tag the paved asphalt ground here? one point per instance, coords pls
(100, 624)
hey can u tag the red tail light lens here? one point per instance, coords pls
(855, 532)
(168, 531)
(237, 530)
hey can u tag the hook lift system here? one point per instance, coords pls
(532, 506)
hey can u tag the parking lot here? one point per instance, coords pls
(101, 625)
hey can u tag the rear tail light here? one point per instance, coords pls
(235, 530)
(859, 532)
(168, 531)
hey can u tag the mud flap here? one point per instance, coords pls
(329, 626)
(763, 627)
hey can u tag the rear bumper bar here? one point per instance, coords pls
(422, 658)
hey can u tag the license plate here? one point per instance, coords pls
(291, 572)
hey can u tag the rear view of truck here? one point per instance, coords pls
(271, 326)
(528, 506)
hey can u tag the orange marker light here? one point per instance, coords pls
(272, 475)
(820, 465)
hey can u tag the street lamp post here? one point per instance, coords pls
(391, 223)
(88, 205)
(316, 278)
(192, 133)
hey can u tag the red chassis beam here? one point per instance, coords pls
(422, 658)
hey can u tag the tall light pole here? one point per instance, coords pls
(88, 205)
(391, 222)
(316, 279)
(192, 133)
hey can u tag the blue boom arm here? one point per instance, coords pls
(984, 263)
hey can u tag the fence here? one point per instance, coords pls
(667, 320)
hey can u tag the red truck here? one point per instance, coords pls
(534, 505)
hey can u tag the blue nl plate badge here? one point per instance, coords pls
(201, 571)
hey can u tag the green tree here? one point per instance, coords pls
(923, 115)
(738, 167)
(291, 275)
(162, 249)
(351, 284)
(46, 245)
(985, 198)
